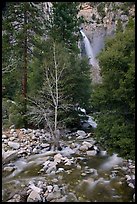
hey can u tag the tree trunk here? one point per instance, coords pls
(24, 80)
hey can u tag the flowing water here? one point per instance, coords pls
(89, 50)
(96, 77)
(98, 178)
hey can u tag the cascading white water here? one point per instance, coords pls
(96, 78)
(89, 50)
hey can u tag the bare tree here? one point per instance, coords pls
(52, 98)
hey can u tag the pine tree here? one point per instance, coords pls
(22, 22)
(115, 97)
(65, 24)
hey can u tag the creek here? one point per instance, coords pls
(88, 176)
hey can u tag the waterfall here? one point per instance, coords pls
(96, 78)
(89, 50)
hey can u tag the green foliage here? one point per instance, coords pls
(12, 113)
(65, 24)
(116, 134)
(115, 97)
(74, 84)
(78, 79)
(119, 26)
(22, 27)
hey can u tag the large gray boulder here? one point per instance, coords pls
(14, 145)
(34, 196)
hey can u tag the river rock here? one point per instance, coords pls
(131, 185)
(88, 144)
(71, 197)
(16, 198)
(81, 133)
(63, 199)
(44, 145)
(4, 137)
(12, 138)
(12, 130)
(52, 167)
(83, 148)
(34, 197)
(8, 155)
(57, 158)
(60, 170)
(34, 188)
(91, 153)
(67, 151)
(128, 177)
(14, 145)
(53, 195)
(8, 168)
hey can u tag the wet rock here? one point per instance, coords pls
(71, 197)
(91, 153)
(16, 198)
(23, 196)
(81, 133)
(34, 188)
(57, 158)
(9, 155)
(12, 138)
(4, 136)
(53, 195)
(131, 185)
(14, 145)
(8, 168)
(49, 188)
(63, 199)
(83, 148)
(60, 170)
(88, 144)
(12, 130)
(34, 197)
(128, 177)
(67, 151)
(44, 145)
(78, 166)
(52, 167)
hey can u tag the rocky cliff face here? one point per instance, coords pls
(101, 20)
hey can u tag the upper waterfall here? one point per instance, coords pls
(89, 50)
(96, 77)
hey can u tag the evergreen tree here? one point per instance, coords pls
(22, 22)
(115, 97)
(65, 24)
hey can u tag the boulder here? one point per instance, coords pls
(4, 137)
(91, 153)
(81, 133)
(8, 156)
(16, 198)
(83, 148)
(36, 189)
(14, 145)
(53, 195)
(34, 197)
(8, 168)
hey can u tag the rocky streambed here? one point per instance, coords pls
(81, 171)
